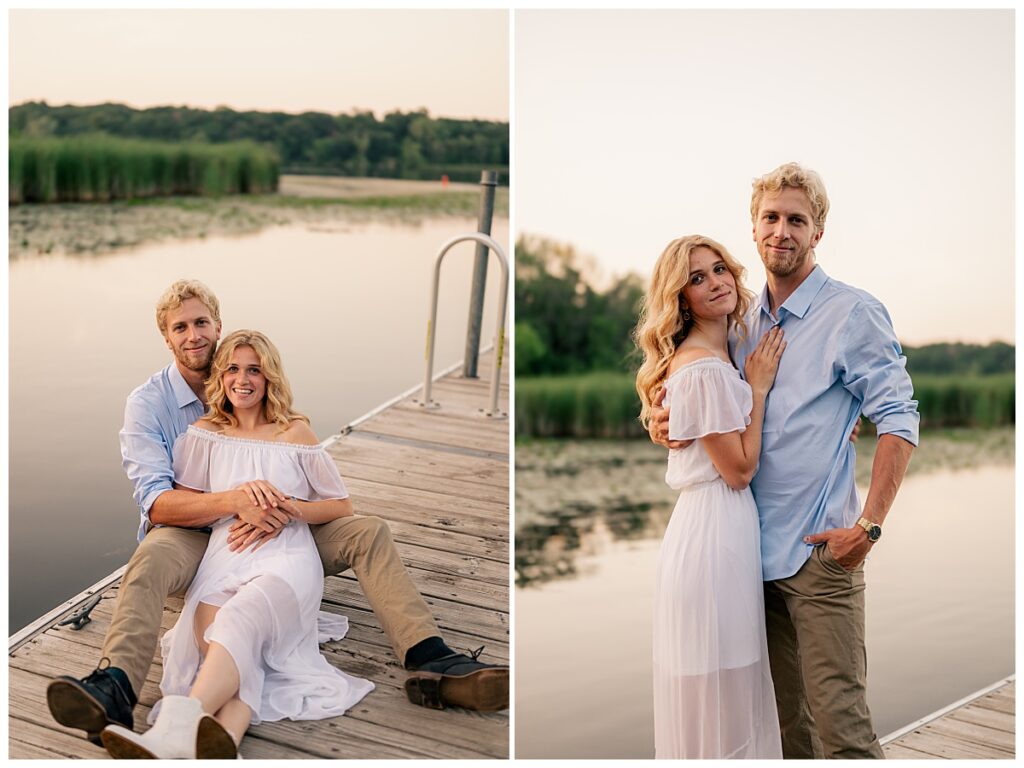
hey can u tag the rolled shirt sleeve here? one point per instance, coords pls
(145, 456)
(842, 360)
(873, 369)
(154, 416)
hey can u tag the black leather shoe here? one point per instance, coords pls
(458, 680)
(92, 703)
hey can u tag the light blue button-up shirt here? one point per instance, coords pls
(155, 414)
(841, 359)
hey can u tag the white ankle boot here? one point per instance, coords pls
(181, 731)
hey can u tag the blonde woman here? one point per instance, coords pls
(245, 648)
(713, 695)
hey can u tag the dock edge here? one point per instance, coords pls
(946, 710)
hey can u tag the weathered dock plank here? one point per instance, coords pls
(978, 727)
(440, 477)
(426, 479)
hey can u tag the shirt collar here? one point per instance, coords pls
(183, 393)
(800, 301)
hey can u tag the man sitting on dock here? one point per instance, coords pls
(173, 535)
(842, 359)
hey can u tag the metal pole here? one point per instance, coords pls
(488, 182)
(499, 338)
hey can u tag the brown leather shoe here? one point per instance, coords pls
(458, 680)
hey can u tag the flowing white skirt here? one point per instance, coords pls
(269, 621)
(713, 694)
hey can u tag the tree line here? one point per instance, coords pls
(410, 145)
(566, 326)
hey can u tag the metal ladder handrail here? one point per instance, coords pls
(502, 307)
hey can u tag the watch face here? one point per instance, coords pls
(874, 533)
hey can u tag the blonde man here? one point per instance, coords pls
(173, 534)
(842, 360)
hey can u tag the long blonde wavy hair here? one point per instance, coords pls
(661, 327)
(277, 401)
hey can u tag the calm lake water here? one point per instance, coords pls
(940, 620)
(346, 304)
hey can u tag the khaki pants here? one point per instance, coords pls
(815, 624)
(167, 559)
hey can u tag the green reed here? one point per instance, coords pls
(606, 404)
(588, 405)
(965, 401)
(100, 168)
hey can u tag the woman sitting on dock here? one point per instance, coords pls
(245, 648)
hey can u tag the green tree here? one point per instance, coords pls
(530, 349)
(579, 328)
(409, 144)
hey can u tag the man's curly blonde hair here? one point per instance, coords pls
(796, 176)
(180, 292)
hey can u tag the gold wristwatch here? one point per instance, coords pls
(874, 530)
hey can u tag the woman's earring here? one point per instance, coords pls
(686, 315)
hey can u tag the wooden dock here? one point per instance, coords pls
(441, 480)
(977, 727)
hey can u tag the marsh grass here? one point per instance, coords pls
(448, 203)
(965, 401)
(100, 168)
(606, 404)
(589, 405)
(463, 203)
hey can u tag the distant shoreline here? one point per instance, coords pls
(94, 228)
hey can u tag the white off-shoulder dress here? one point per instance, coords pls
(269, 618)
(713, 694)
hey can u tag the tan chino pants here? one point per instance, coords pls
(815, 625)
(167, 559)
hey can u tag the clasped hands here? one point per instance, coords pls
(262, 518)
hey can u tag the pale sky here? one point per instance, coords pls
(633, 128)
(454, 63)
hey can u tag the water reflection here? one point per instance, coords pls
(549, 549)
(569, 493)
(940, 593)
(346, 307)
(573, 495)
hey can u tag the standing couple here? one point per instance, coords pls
(759, 598)
(245, 510)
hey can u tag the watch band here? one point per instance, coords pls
(873, 530)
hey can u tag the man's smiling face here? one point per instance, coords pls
(785, 233)
(192, 335)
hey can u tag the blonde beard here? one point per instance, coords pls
(787, 266)
(192, 362)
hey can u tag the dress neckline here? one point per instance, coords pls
(217, 437)
(699, 361)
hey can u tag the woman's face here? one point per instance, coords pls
(710, 291)
(243, 379)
